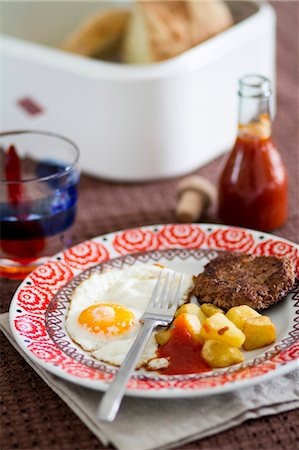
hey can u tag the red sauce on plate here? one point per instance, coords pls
(184, 354)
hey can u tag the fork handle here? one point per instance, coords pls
(112, 398)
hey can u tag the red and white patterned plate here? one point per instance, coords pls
(39, 306)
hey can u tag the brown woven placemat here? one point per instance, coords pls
(32, 416)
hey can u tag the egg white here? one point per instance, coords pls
(130, 287)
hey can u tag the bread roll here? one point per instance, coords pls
(159, 30)
(99, 33)
(208, 18)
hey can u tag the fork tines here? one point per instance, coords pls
(166, 294)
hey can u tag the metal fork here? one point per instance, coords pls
(160, 311)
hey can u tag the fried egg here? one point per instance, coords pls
(105, 310)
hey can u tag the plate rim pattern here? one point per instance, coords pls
(29, 310)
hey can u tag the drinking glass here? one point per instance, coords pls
(39, 178)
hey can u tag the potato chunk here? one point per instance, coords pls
(163, 336)
(190, 323)
(239, 314)
(191, 308)
(259, 331)
(219, 328)
(209, 309)
(220, 354)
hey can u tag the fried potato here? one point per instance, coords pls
(239, 314)
(191, 308)
(218, 327)
(259, 331)
(191, 323)
(220, 354)
(209, 309)
(162, 336)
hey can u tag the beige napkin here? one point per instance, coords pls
(147, 424)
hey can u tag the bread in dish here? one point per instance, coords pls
(158, 30)
(99, 34)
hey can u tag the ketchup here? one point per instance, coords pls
(183, 351)
(253, 187)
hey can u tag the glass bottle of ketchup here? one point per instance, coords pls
(253, 187)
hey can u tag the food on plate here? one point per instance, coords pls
(220, 354)
(163, 336)
(209, 309)
(191, 308)
(104, 311)
(150, 31)
(219, 328)
(183, 348)
(239, 314)
(99, 34)
(238, 279)
(190, 324)
(192, 347)
(162, 29)
(259, 331)
(158, 363)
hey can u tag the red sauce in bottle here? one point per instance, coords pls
(253, 185)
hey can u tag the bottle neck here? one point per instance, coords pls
(254, 117)
(254, 107)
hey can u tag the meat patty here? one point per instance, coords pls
(237, 279)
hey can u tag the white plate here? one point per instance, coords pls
(40, 304)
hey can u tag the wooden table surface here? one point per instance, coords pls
(32, 416)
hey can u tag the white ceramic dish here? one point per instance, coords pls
(40, 304)
(131, 122)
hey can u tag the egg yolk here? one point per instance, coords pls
(108, 318)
